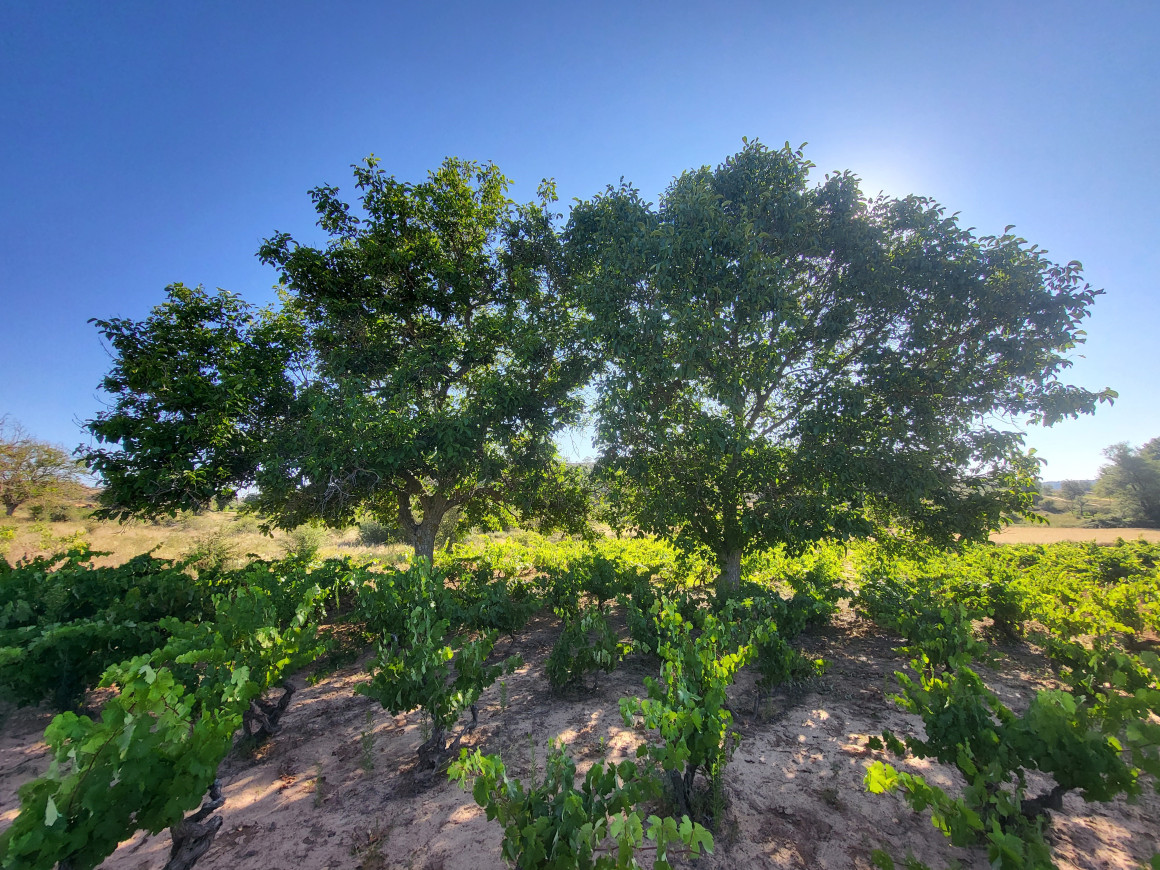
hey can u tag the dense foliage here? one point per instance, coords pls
(154, 751)
(1132, 480)
(417, 668)
(63, 622)
(150, 756)
(554, 825)
(1089, 607)
(688, 704)
(419, 365)
(787, 362)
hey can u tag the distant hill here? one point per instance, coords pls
(1056, 484)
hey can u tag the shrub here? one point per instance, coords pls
(688, 705)
(374, 533)
(593, 827)
(967, 726)
(487, 601)
(778, 663)
(417, 668)
(212, 551)
(587, 645)
(304, 542)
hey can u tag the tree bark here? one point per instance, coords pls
(423, 531)
(682, 786)
(193, 836)
(261, 721)
(433, 750)
(1038, 806)
(730, 576)
(423, 538)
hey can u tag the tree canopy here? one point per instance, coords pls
(418, 362)
(786, 362)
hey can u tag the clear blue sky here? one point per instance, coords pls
(148, 143)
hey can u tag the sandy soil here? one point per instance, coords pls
(321, 794)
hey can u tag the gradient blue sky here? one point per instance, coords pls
(148, 143)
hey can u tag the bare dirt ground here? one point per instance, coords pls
(338, 786)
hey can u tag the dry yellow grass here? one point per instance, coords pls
(1029, 534)
(175, 538)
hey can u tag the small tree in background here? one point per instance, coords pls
(31, 469)
(1132, 480)
(1076, 492)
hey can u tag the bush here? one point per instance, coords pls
(587, 645)
(594, 827)
(413, 668)
(1105, 521)
(779, 663)
(54, 513)
(304, 542)
(966, 725)
(212, 552)
(246, 522)
(483, 601)
(689, 705)
(373, 533)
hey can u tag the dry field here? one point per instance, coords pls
(1036, 534)
(230, 534)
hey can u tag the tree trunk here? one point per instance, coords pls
(682, 786)
(10, 508)
(261, 721)
(423, 539)
(424, 531)
(193, 836)
(730, 576)
(433, 750)
(1038, 806)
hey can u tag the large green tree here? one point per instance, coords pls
(419, 362)
(1132, 479)
(789, 361)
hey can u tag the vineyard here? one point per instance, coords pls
(562, 703)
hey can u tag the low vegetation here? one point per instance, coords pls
(210, 643)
